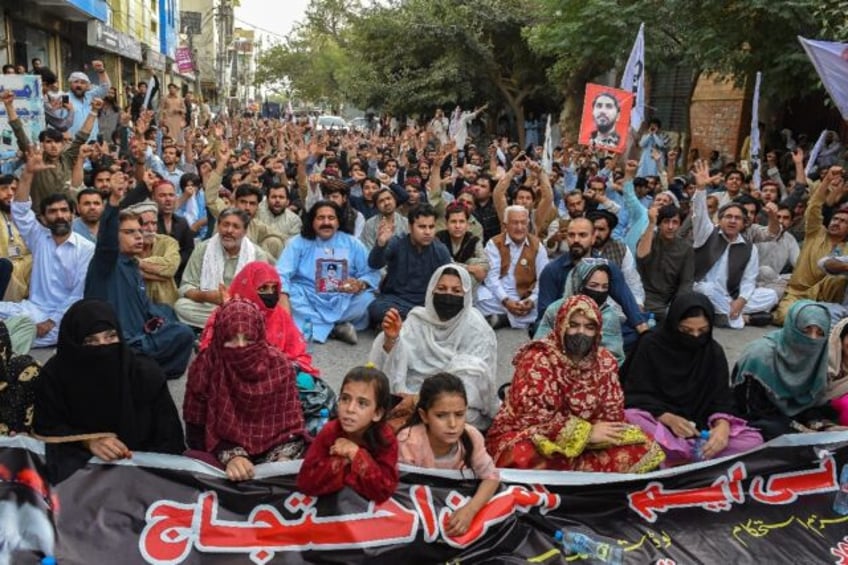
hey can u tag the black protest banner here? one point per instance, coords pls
(773, 505)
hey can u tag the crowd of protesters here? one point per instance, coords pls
(179, 244)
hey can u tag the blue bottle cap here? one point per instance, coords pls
(324, 413)
(48, 560)
(558, 535)
(705, 434)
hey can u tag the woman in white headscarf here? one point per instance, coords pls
(447, 335)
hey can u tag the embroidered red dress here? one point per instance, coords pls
(372, 475)
(547, 418)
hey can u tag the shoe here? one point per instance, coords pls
(722, 321)
(759, 319)
(497, 321)
(346, 333)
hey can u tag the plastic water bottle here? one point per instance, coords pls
(323, 418)
(576, 543)
(698, 449)
(307, 335)
(652, 320)
(840, 503)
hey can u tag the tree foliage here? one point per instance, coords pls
(314, 60)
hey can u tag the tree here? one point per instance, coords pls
(732, 39)
(425, 53)
(314, 58)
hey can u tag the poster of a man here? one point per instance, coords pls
(331, 275)
(606, 117)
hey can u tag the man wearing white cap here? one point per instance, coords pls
(82, 93)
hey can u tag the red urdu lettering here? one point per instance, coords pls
(167, 537)
(715, 498)
(499, 508)
(841, 551)
(784, 488)
(422, 498)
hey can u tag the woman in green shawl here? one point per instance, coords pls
(590, 277)
(779, 381)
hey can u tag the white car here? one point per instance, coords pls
(330, 123)
(359, 125)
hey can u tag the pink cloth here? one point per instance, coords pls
(841, 406)
(414, 449)
(679, 451)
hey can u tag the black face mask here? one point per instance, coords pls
(447, 306)
(578, 344)
(269, 299)
(691, 342)
(599, 296)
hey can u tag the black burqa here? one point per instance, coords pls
(672, 372)
(101, 389)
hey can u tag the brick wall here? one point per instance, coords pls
(719, 117)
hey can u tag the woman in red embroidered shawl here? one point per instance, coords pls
(565, 408)
(260, 283)
(241, 403)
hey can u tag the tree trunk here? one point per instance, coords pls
(515, 101)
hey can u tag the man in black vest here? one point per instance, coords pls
(726, 264)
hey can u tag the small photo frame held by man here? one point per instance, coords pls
(606, 118)
(330, 274)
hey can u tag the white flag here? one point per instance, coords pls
(831, 62)
(290, 112)
(152, 90)
(755, 134)
(814, 154)
(633, 79)
(548, 150)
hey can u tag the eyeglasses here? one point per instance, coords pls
(131, 231)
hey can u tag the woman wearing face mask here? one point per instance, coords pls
(259, 283)
(565, 408)
(445, 335)
(676, 384)
(97, 396)
(241, 404)
(591, 277)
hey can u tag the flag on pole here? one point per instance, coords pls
(814, 154)
(290, 111)
(755, 134)
(548, 150)
(633, 79)
(152, 90)
(831, 62)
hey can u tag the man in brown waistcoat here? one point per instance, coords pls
(510, 292)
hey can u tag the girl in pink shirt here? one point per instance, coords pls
(437, 437)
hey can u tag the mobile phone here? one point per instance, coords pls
(65, 99)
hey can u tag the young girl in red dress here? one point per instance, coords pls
(357, 449)
(438, 437)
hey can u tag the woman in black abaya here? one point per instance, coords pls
(97, 396)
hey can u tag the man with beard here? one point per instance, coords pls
(212, 266)
(114, 277)
(580, 238)
(82, 96)
(59, 161)
(165, 196)
(60, 257)
(89, 208)
(605, 112)
(726, 264)
(665, 260)
(387, 207)
(274, 211)
(15, 257)
(319, 245)
(410, 261)
(509, 294)
(484, 207)
(159, 258)
(615, 251)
